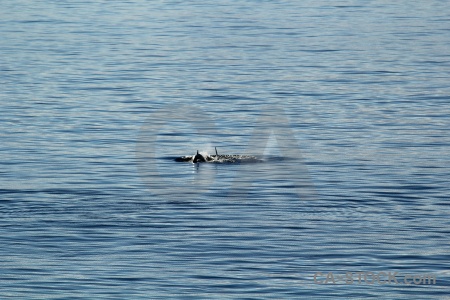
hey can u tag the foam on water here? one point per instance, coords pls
(219, 158)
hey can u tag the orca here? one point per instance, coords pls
(199, 158)
(223, 158)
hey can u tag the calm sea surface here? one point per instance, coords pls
(347, 101)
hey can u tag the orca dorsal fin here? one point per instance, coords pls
(216, 151)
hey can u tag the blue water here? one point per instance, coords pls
(349, 100)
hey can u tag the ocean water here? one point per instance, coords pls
(347, 101)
